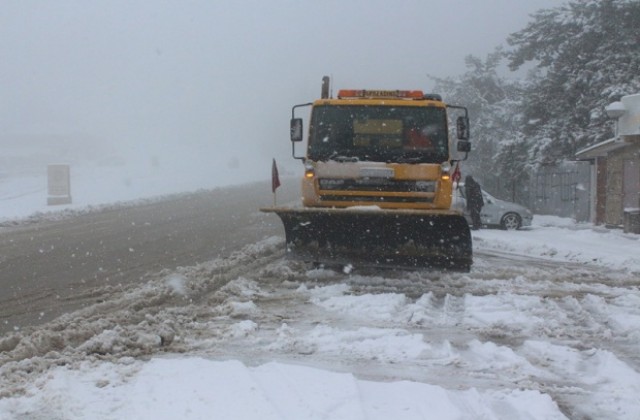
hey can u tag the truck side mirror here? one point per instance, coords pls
(464, 146)
(296, 129)
(462, 127)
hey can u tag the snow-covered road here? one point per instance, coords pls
(537, 329)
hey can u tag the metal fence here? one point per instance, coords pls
(562, 190)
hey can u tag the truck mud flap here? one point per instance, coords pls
(384, 238)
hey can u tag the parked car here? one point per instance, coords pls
(495, 212)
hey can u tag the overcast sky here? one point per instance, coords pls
(220, 76)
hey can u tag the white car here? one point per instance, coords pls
(495, 212)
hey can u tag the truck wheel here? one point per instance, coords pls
(511, 221)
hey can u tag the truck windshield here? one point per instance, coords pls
(381, 133)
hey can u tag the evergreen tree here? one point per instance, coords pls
(493, 104)
(587, 55)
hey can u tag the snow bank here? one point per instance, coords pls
(195, 388)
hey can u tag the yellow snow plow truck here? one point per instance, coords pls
(377, 182)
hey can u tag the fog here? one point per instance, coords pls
(204, 83)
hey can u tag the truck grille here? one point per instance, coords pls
(376, 199)
(377, 185)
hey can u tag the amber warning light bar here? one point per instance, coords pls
(361, 93)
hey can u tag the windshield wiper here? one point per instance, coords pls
(339, 157)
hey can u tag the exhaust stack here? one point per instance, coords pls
(325, 87)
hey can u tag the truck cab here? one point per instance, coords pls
(390, 149)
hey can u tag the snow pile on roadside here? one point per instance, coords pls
(561, 239)
(23, 197)
(195, 388)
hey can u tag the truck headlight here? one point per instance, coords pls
(445, 171)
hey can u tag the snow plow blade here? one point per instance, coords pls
(406, 239)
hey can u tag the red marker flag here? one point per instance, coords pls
(455, 177)
(275, 178)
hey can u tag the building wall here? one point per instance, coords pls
(631, 175)
(614, 214)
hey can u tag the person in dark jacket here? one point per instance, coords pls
(475, 202)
